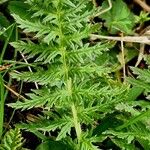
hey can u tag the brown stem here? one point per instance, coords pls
(143, 5)
(14, 92)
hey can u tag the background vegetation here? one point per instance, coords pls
(74, 75)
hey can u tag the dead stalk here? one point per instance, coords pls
(123, 59)
(143, 5)
(14, 92)
(36, 85)
(134, 39)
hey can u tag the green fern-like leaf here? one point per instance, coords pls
(137, 131)
(76, 92)
(12, 140)
(143, 79)
(143, 74)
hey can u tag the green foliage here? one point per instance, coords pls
(56, 145)
(4, 22)
(12, 140)
(143, 78)
(3, 1)
(137, 127)
(135, 132)
(82, 102)
(19, 7)
(119, 18)
(142, 17)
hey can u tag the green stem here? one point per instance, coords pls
(76, 123)
(16, 39)
(3, 94)
(6, 43)
(66, 76)
(2, 102)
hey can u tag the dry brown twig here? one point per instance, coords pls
(5, 67)
(134, 39)
(14, 92)
(141, 54)
(143, 5)
(36, 85)
(123, 59)
(145, 39)
(146, 31)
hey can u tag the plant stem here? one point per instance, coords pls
(123, 63)
(2, 101)
(6, 42)
(67, 78)
(134, 39)
(76, 123)
(143, 5)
